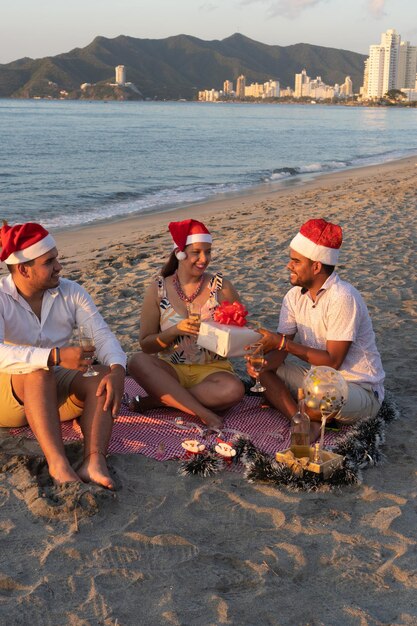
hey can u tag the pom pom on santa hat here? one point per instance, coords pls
(186, 232)
(24, 242)
(319, 240)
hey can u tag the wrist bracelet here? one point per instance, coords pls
(282, 342)
(56, 356)
(161, 343)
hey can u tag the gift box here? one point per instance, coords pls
(226, 340)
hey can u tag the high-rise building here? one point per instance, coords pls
(240, 86)
(301, 82)
(375, 72)
(364, 89)
(391, 65)
(346, 89)
(120, 75)
(271, 89)
(407, 65)
(227, 87)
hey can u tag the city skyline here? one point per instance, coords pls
(50, 27)
(391, 66)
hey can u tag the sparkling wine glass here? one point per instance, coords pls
(256, 360)
(87, 342)
(194, 312)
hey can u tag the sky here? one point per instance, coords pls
(38, 28)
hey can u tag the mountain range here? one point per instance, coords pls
(176, 67)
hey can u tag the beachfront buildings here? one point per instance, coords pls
(392, 64)
(316, 89)
(269, 89)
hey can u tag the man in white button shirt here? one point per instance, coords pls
(41, 374)
(333, 328)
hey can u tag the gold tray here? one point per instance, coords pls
(330, 461)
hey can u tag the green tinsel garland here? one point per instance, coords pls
(361, 448)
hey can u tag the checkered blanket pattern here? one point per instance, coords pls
(159, 435)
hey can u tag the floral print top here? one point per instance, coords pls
(184, 350)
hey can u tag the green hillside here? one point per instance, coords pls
(176, 67)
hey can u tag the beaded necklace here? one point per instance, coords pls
(182, 295)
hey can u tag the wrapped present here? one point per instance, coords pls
(226, 340)
(228, 334)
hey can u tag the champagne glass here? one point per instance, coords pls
(256, 359)
(87, 342)
(194, 312)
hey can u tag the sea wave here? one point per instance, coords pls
(286, 172)
(123, 204)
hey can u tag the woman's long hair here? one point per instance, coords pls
(170, 266)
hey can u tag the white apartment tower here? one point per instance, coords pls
(390, 41)
(391, 65)
(301, 83)
(407, 65)
(120, 75)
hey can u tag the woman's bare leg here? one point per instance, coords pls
(219, 391)
(161, 383)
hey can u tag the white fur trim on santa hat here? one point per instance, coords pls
(313, 251)
(31, 252)
(199, 238)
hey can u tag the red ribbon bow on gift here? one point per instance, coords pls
(231, 314)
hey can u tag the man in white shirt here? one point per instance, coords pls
(41, 374)
(332, 325)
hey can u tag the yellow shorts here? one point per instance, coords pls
(190, 375)
(12, 412)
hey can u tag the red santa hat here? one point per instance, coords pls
(319, 240)
(186, 232)
(24, 242)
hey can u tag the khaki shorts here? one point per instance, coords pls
(361, 402)
(190, 375)
(12, 412)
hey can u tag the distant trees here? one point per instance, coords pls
(395, 95)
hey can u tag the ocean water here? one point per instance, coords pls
(71, 163)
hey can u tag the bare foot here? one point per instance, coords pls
(215, 422)
(63, 473)
(94, 469)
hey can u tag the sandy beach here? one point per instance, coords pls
(185, 551)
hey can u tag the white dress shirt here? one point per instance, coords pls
(339, 313)
(26, 340)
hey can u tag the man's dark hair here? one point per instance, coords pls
(329, 269)
(13, 265)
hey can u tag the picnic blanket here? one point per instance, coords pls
(159, 435)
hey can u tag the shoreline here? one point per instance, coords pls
(217, 205)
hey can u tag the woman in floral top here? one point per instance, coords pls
(172, 368)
